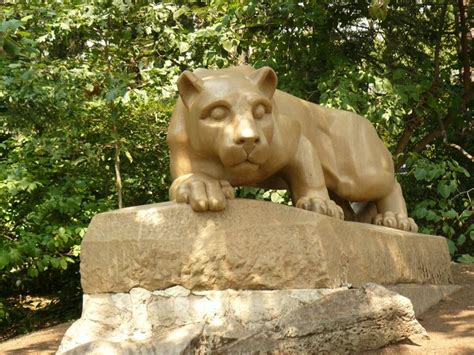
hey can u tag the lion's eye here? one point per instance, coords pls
(219, 113)
(259, 111)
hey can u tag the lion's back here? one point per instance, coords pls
(351, 153)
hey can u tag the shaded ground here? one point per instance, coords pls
(42, 342)
(450, 325)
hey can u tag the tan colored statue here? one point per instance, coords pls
(231, 127)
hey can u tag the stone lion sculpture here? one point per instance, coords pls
(232, 127)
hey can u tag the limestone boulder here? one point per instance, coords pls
(178, 321)
(347, 321)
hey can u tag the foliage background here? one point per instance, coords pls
(87, 89)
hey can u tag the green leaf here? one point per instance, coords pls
(81, 231)
(466, 214)
(32, 272)
(79, 160)
(184, 47)
(461, 240)
(65, 26)
(129, 156)
(63, 263)
(466, 259)
(54, 262)
(447, 230)
(453, 185)
(451, 247)
(398, 74)
(228, 46)
(450, 214)
(25, 34)
(43, 38)
(431, 216)
(386, 84)
(443, 189)
(32, 186)
(177, 14)
(275, 197)
(11, 46)
(76, 250)
(433, 103)
(4, 260)
(420, 174)
(26, 18)
(112, 94)
(420, 212)
(10, 25)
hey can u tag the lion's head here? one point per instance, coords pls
(229, 114)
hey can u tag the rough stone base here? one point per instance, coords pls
(291, 264)
(252, 245)
(177, 320)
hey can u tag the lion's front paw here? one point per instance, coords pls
(322, 206)
(395, 220)
(203, 193)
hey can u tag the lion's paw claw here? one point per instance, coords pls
(322, 206)
(395, 220)
(202, 193)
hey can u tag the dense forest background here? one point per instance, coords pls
(87, 90)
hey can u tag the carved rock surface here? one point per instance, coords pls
(250, 245)
(178, 320)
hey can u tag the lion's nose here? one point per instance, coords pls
(246, 135)
(248, 143)
(247, 139)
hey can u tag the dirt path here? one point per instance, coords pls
(42, 342)
(450, 325)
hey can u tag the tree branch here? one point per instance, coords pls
(466, 74)
(417, 120)
(463, 151)
(467, 95)
(435, 133)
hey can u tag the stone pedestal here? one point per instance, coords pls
(259, 276)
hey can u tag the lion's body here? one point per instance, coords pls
(353, 158)
(233, 126)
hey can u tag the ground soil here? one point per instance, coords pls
(450, 325)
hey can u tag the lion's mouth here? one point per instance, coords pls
(239, 159)
(247, 164)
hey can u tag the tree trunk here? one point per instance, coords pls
(118, 175)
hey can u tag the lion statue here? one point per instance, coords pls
(232, 127)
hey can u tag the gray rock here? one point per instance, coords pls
(346, 321)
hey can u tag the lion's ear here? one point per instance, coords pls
(266, 80)
(189, 86)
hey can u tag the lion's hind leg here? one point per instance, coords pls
(392, 211)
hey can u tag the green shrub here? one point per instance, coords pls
(441, 204)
